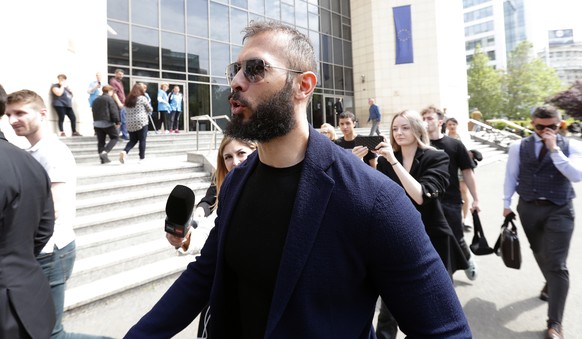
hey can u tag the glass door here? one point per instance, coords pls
(153, 85)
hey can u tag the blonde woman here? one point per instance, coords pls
(423, 172)
(328, 130)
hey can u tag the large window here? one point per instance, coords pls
(193, 41)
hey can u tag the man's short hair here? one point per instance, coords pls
(107, 89)
(431, 109)
(298, 50)
(546, 112)
(347, 115)
(62, 76)
(2, 100)
(119, 70)
(25, 96)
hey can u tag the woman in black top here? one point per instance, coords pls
(423, 172)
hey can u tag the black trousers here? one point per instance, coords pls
(102, 133)
(549, 229)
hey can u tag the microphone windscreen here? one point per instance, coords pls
(180, 205)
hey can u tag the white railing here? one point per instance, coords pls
(496, 137)
(214, 127)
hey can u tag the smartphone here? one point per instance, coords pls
(369, 141)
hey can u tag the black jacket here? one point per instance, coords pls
(26, 224)
(105, 109)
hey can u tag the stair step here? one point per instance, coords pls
(117, 283)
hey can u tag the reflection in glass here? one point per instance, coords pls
(313, 21)
(347, 53)
(145, 48)
(197, 17)
(325, 18)
(218, 26)
(147, 73)
(257, 6)
(220, 104)
(220, 58)
(317, 100)
(118, 9)
(171, 75)
(272, 9)
(346, 8)
(173, 52)
(325, 48)
(238, 21)
(335, 5)
(326, 74)
(301, 13)
(198, 56)
(173, 15)
(349, 79)
(145, 12)
(118, 45)
(239, 3)
(288, 13)
(338, 78)
(338, 56)
(198, 102)
(336, 21)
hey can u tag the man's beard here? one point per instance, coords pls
(271, 119)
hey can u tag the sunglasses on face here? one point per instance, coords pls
(253, 70)
(540, 127)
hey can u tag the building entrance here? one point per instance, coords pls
(153, 85)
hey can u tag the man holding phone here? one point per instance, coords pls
(351, 140)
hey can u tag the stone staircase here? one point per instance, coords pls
(121, 244)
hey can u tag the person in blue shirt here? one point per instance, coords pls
(164, 108)
(375, 117)
(94, 89)
(176, 105)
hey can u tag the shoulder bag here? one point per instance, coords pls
(507, 245)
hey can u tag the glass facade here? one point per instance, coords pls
(188, 43)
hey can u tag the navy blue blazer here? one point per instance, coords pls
(353, 235)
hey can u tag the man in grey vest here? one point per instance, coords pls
(540, 168)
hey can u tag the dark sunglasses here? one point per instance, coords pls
(253, 70)
(540, 127)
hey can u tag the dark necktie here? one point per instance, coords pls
(543, 152)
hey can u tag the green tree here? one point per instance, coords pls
(527, 82)
(484, 85)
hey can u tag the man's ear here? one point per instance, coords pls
(307, 82)
(42, 113)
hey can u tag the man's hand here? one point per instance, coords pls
(360, 151)
(475, 206)
(549, 137)
(507, 211)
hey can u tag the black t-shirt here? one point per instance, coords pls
(458, 159)
(343, 143)
(254, 245)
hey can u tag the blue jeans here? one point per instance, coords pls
(136, 136)
(57, 267)
(123, 127)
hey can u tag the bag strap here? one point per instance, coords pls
(508, 219)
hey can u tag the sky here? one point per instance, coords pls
(554, 14)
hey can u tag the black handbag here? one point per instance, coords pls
(479, 245)
(507, 245)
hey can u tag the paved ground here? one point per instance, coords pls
(501, 303)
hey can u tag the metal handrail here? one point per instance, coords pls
(495, 137)
(215, 127)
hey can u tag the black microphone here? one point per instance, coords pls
(179, 211)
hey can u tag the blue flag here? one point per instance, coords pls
(403, 30)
